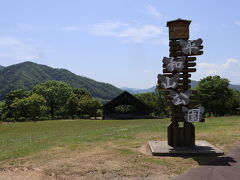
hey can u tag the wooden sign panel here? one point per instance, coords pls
(168, 82)
(193, 115)
(171, 64)
(190, 47)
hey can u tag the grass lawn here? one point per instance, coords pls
(104, 148)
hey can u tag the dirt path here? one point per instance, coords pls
(112, 162)
(95, 163)
(23, 174)
(223, 168)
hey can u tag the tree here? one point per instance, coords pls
(156, 102)
(28, 107)
(77, 103)
(234, 101)
(92, 107)
(73, 105)
(214, 94)
(80, 92)
(56, 94)
(81, 102)
(84, 103)
(19, 108)
(2, 113)
(12, 96)
(36, 105)
(20, 93)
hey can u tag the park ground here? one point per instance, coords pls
(101, 149)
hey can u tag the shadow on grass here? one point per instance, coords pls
(204, 155)
(211, 159)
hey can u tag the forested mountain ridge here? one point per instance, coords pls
(1, 67)
(152, 89)
(27, 74)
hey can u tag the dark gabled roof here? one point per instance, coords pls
(178, 20)
(126, 99)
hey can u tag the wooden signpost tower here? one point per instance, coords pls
(185, 108)
(175, 80)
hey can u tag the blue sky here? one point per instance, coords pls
(121, 42)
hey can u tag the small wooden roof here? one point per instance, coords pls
(126, 99)
(178, 20)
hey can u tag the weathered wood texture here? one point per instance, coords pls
(178, 29)
(179, 53)
(179, 48)
(168, 74)
(184, 70)
(188, 64)
(181, 136)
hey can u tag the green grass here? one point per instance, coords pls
(22, 139)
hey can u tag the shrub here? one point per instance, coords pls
(9, 120)
(22, 119)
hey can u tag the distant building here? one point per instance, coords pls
(125, 106)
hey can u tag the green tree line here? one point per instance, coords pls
(58, 100)
(49, 100)
(213, 93)
(216, 96)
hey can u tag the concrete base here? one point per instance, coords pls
(161, 148)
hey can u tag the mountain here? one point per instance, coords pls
(137, 91)
(27, 74)
(152, 89)
(1, 67)
(237, 87)
(233, 86)
(194, 83)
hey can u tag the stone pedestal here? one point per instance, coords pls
(161, 148)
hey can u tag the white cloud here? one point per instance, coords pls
(9, 41)
(229, 70)
(138, 34)
(163, 41)
(108, 28)
(237, 22)
(147, 71)
(72, 28)
(153, 11)
(12, 48)
(127, 32)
